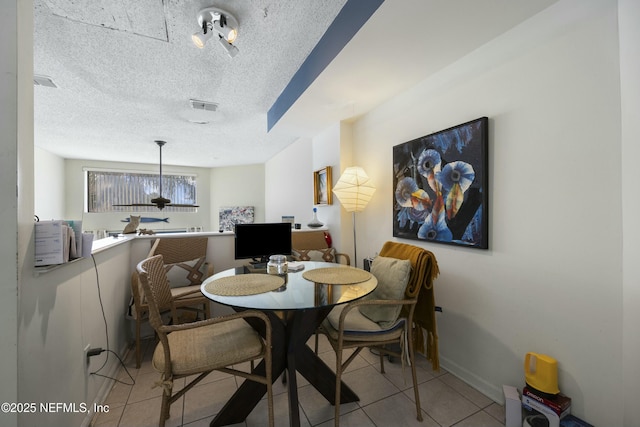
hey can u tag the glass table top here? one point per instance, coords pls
(297, 293)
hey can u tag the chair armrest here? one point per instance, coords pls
(345, 256)
(359, 303)
(164, 330)
(244, 314)
(186, 294)
(208, 269)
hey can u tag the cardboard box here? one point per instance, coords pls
(552, 409)
(512, 406)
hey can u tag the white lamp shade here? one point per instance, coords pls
(354, 189)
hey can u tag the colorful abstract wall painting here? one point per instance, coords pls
(441, 184)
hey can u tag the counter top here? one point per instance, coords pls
(108, 242)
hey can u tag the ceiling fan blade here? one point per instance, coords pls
(136, 204)
(179, 205)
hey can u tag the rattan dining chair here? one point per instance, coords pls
(385, 318)
(186, 265)
(201, 347)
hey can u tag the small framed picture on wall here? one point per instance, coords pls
(322, 186)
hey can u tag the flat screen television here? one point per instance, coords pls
(259, 241)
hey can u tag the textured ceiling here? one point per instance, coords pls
(126, 70)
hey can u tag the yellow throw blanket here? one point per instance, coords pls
(424, 270)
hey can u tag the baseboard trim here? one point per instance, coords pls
(491, 391)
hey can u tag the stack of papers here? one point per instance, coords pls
(294, 266)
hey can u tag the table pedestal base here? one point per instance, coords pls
(291, 330)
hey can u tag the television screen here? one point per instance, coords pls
(260, 241)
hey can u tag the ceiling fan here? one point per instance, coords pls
(160, 202)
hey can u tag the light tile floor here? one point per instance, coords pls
(385, 400)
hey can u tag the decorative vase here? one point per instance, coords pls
(314, 221)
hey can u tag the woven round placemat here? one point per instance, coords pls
(337, 275)
(244, 284)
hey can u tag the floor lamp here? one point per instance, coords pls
(354, 190)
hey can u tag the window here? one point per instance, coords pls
(108, 188)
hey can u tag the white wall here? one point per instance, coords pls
(60, 314)
(288, 187)
(49, 200)
(551, 281)
(629, 16)
(326, 152)
(237, 186)
(292, 169)
(16, 28)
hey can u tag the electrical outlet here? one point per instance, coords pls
(85, 354)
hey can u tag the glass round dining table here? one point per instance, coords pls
(296, 308)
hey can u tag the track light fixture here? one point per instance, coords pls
(226, 32)
(201, 38)
(228, 47)
(213, 21)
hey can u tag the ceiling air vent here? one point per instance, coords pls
(43, 81)
(203, 105)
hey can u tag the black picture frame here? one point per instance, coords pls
(441, 186)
